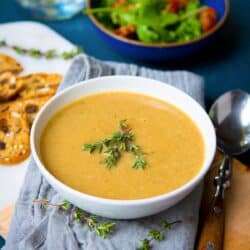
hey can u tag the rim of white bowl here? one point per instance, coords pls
(190, 184)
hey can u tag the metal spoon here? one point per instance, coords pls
(230, 115)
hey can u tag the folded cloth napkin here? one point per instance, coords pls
(36, 228)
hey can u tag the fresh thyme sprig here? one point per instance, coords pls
(48, 54)
(102, 229)
(117, 143)
(157, 235)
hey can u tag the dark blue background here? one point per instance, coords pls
(225, 64)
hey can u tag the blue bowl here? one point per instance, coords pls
(157, 52)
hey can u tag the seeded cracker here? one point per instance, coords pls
(14, 135)
(38, 85)
(30, 107)
(9, 86)
(9, 69)
(8, 64)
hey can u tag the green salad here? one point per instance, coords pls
(155, 21)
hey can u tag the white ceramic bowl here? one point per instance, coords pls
(125, 209)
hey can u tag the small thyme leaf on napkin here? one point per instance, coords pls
(48, 54)
(102, 229)
(155, 234)
(117, 143)
(64, 205)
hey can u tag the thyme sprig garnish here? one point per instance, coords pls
(106, 228)
(157, 235)
(117, 143)
(48, 54)
(102, 229)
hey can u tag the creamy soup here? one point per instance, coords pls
(173, 143)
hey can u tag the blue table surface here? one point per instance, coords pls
(225, 64)
(1, 242)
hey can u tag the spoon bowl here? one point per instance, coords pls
(230, 115)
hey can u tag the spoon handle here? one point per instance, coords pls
(212, 231)
(211, 235)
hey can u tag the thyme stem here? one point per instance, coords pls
(45, 202)
(36, 53)
(102, 229)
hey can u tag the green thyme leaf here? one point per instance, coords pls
(139, 162)
(104, 229)
(35, 53)
(112, 155)
(65, 205)
(98, 146)
(116, 136)
(165, 224)
(19, 50)
(133, 148)
(123, 125)
(156, 234)
(145, 245)
(70, 54)
(78, 214)
(92, 222)
(50, 54)
(2, 43)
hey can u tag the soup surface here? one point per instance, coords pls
(173, 143)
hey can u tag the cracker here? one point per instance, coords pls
(9, 64)
(38, 85)
(32, 106)
(9, 86)
(14, 134)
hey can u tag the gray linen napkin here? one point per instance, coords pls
(36, 228)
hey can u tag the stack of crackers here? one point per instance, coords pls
(21, 97)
